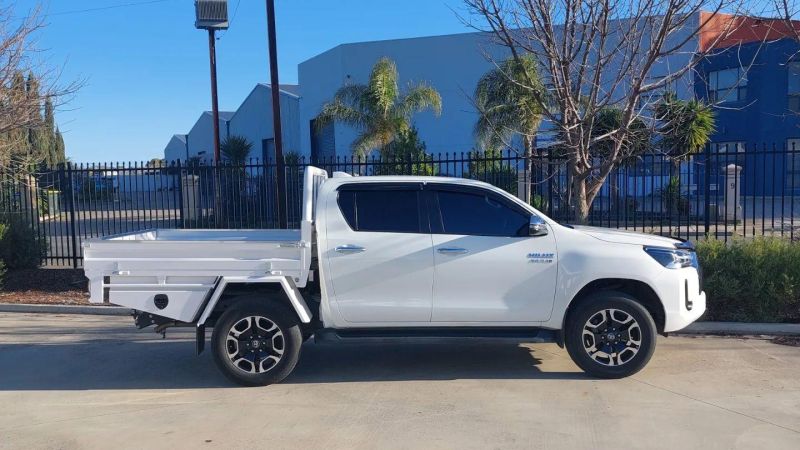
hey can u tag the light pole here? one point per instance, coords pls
(212, 57)
(275, 88)
(212, 15)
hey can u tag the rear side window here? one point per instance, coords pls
(479, 214)
(389, 210)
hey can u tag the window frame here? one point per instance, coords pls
(792, 165)
(728, 147)
(792, 97)
(436, 220)
(422, 206)
(741, 85)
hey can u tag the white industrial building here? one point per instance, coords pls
(452, 64)
(199, 142)
(253, 120)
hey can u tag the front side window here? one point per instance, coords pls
(793, 86)
(478, 214)
(390, 210)
(727, 85)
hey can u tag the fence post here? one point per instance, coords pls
(707, 195)
(71, 202)
(179, 171)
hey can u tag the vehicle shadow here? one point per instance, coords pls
(156, 364)
(407, 361)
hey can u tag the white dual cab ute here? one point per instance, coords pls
(397, 257)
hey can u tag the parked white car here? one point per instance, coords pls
(403, 256)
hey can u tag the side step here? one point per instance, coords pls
(528, 335)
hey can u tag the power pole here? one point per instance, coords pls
(276, 115)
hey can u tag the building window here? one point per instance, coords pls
(725, 153)
(793, 164)
(727, 85)
(793, 86)
(728, 147)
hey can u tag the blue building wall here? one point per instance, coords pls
(762, 120)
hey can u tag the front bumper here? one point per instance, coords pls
(682, 297)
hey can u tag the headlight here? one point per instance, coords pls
(672, 258)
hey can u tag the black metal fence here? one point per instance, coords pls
(725, 191)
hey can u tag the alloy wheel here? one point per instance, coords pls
(255, 344)
(612, 337)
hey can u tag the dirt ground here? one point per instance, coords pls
(50, 286)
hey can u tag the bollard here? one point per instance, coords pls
(733, 207)
(190, 195)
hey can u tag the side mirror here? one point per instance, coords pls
(537, 227)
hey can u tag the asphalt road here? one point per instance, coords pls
(96, 382)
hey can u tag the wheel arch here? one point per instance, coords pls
(272, 289)
(641, 292)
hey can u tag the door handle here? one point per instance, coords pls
(452, 250)
(349, 248)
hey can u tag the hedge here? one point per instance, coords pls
(20, 246)
(751, 281)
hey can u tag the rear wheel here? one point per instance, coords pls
(257, 343)
(610, 335)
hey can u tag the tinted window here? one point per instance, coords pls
(480, 214)
(384, 210)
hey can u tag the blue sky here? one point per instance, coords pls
(146, 66)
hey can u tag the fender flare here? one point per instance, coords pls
(292, 293)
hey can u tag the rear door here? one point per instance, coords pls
(380, 253)
(488, 269)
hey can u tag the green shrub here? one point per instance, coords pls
(406, 155)
(751, 281)
(20, 246)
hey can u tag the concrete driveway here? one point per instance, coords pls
(96, 382)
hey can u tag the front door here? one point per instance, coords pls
(379, 253)
(487, 268)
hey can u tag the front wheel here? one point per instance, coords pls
(610, 335)
(256, 343)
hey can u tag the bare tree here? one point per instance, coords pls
(788, 12)
(21, 109)
(599, 54)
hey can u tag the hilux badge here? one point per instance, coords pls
(541, 258)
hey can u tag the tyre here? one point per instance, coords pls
(257, 343)
(610, 335)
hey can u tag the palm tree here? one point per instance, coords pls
(510, 100)
(236, 149)
(379, 109)
(685, 128)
